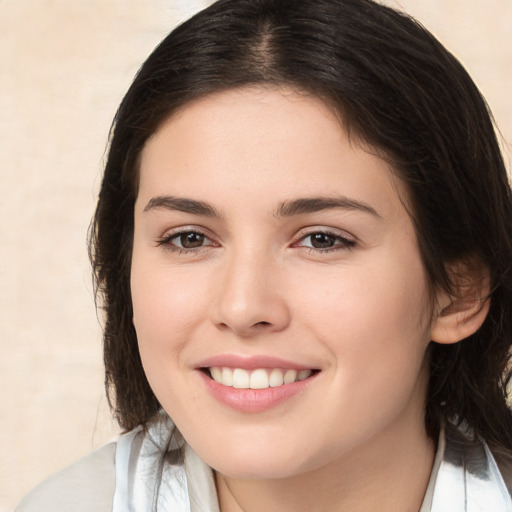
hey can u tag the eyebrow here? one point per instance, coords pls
(307, 205)
(182, 204)
(301, 206)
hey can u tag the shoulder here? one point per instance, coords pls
(505, 466)
(86, 486)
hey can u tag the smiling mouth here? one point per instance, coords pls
(260, 378)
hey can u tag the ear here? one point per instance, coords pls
(460, 315)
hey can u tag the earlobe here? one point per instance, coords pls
(461, 315)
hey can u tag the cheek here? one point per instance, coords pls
(165, 313)
(374, 320)
(165, 303)
(166, 310)
(370, 301)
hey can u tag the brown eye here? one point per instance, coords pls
(322, 240)
(186, 241)
(190, 240)
(325, 241)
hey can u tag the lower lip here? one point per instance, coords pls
(254, 400)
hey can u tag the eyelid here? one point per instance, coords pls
(172, 233)
(345, 239)
(310, 230)
(348, 241)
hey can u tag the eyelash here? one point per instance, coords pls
(166, 241)
(341, 242)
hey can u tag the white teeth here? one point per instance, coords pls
(290, 376)
(227, 376)
(276, 378)
(216, 373)
(240, 378)
(259, 379)
(256, 379)
(304, 374)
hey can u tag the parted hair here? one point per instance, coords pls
(396, 88)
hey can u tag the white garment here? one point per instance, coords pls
(154, 470)
(465, 476)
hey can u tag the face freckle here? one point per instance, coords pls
(266, 240)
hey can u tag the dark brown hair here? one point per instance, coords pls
(399, 90)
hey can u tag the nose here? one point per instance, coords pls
(250, 300)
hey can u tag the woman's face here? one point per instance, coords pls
(276, 256)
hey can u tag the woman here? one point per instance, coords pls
(302, 245)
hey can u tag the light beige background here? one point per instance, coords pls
(64, 65)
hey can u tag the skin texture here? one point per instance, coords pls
(353, 438)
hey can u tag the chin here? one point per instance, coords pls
(258, 465)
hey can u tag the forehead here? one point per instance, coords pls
(252, 141)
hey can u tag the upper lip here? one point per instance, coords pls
(250, 362)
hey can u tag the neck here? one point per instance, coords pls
(389, 474)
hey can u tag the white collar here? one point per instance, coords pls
(466, 477)
(157, 471)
